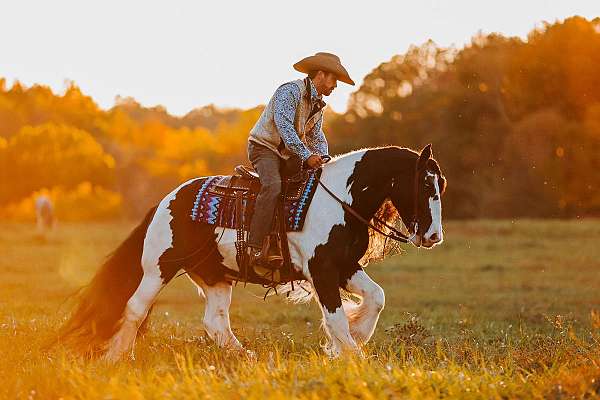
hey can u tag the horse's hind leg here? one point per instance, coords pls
(156, 243)
(216, 312)
(134, 315)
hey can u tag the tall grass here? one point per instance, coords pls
(502, 310)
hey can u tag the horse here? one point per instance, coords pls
(44, 214)
(329, 254)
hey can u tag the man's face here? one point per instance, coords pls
(325, 82)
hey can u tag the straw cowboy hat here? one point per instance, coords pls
(324, 62)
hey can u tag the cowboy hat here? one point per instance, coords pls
(324, 62)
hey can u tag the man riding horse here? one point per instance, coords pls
(289, 130)
(354, 194)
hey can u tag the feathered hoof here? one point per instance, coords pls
(240, 351)
(114, 354)
(249, 354)
(333, 352)
(112, 357)
(121, 344)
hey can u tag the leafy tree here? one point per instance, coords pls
(48, 155)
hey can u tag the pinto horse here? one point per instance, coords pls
(328, 254)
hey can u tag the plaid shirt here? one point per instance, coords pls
(286, 100)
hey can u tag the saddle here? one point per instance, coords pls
(228, 201)
(246, 181)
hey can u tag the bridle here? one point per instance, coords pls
(413, 225)
(395, 234)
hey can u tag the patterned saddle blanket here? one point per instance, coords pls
(218, 196)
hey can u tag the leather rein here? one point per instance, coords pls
(395, 233)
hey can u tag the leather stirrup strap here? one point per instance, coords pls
(285, 248)
(240, 244)
(395, 235)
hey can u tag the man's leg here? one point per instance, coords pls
(266, 163)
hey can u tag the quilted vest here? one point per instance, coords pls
(265, 131)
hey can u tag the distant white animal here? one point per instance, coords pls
(44, 213)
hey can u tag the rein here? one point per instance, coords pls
(412, 226)
(395, 235)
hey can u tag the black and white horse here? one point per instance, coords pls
(327, 253)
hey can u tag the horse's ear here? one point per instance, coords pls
(424, 156)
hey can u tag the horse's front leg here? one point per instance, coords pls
(363, 316)
(326, 283)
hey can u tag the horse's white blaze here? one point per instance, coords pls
(363, 316)
(338, 330)
(435, 208)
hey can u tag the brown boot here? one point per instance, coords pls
(255, 257)
(271, 252)
(264, 264)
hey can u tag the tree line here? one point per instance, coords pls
(515, 125)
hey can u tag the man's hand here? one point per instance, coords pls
(315, 161)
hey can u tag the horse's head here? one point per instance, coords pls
(421, 207)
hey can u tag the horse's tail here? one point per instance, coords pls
(101, 303)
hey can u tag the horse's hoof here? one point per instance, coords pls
(111, 357)
(250, 355)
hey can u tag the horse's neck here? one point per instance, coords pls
(362, 183)
(336, 174)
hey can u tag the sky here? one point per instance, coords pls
(187, 54)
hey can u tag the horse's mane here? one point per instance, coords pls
(341, 156)
(379, 246)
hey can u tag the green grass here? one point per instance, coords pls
(500, 310)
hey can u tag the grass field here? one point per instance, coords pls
(501, 310)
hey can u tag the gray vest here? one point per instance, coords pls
(265, 131)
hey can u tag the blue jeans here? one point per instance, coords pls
(267, 164)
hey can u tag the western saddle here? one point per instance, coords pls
(243, 185)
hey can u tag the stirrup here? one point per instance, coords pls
(271, 262)
(270, 252)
